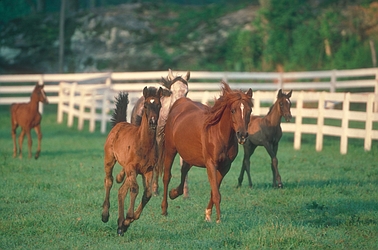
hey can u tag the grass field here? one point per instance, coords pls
(330, 201)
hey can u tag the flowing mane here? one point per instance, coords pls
(228, 96)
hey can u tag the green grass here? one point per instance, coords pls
(330, 201)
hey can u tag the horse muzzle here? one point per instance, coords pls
(152, 123)
(287, 117)
(242, 137)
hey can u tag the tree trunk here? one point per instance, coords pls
(61, 35)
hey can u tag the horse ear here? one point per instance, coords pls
(160, 92)
(145, 92)
(279, 93)
(187, 77)
(170, 75)
(249, 93)
(289, 94)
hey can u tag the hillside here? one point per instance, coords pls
(142, 37)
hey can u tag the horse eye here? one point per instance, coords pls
(281, 104)
(232, 111)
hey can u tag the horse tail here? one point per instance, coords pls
(120, 112)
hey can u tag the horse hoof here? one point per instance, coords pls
(173, 194)
(105, 218)
(280, 185)
(120, 232)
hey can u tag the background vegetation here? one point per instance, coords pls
(329, 200)
(290, 35)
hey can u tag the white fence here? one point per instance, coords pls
(312, 117)
(88, 96)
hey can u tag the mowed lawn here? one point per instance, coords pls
(329, 201)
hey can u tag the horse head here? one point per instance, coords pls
(40, 94)
(285, 104)
(152, 105)
(241, 109)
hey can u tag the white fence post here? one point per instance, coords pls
(298, 122)
(319, 132)
(71, 105)
(345, 125)
(369, 122)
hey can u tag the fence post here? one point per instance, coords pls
(60, 103)
(345, 125)
(319, 133)
(81, 110)
(369, 122)
(92, 119)
(256, 103)
(71, 105)
(298, 122)
(105, 108)
(376, 91)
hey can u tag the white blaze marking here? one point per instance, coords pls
(242, 109)
(152, 101)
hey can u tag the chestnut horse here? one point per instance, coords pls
(27, 116)
(266, 131)
(174, 88)
(205, 137)
(134, 148)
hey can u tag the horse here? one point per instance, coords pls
(266, 131)
(27, 116)
(135, 149)
(174, 87)
(205, 137)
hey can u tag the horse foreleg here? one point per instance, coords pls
(131, 184)
(28, 135)
(174, 193)
(39, 136)
(147, 179)
(122, 192)
(249, 148)
(20, 141)
(215, 196)
(274, 165)
(109, 163)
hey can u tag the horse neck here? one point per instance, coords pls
(274, 116)
(223, 127)
(146, 135)
(33, 104)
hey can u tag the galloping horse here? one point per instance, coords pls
(205, 137)
(134, 148)
(27, 116)
(174, 88)
(266, 131)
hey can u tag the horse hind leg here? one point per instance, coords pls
(120, 176)
(246, 164)
(109, 163)
(13, 132)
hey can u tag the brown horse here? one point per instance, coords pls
(205, 137)
(27, 116)
(174, 88)
(134, 148)
(266, 131)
